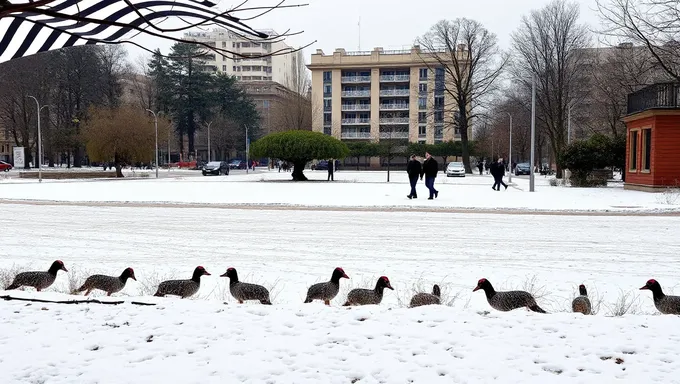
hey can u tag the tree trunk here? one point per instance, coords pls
(77, 157)
(388, 169)
(298, 168)
(118, 165)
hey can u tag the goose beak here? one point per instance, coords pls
(476, 289)
(645, 287)
(224, 274)
(389, 286)
(345, 276)
(133, 277)
(206, 273)
(64, 269)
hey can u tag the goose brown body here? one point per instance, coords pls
(361, 296)
(509, 300)
(423, 298)
(328, 290)
(108, 284)
(182, 288)
(668, 305)
(245, 291)
(38, 279)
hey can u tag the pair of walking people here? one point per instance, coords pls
(415, 170)
(498, 171)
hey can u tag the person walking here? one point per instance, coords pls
(330, 170)
(413, 170)
(498, 171)
(480, 166)
(430, 169)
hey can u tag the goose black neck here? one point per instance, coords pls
(657, 292)
(379, 288)
(54, 269)
(489, 291)
(197, 276)
(335, 279)
(233, 277)
(582, 291)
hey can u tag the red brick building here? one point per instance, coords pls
(653, 141)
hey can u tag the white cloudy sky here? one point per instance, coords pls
(391, 24)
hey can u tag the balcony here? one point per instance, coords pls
(394, 135)
(394, 107)
(394, 120)
(394, 92)
(355, 135)
(355, 79)
(656, 96)
(394, 78)
(356, 93)
(356, 107)
(356, 121)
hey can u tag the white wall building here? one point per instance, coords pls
(279, 68)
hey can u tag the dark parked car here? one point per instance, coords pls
(522, 169)
(5, 166)
(237, 164)
(216, 168)
(321, 165)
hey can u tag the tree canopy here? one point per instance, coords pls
(299, 147)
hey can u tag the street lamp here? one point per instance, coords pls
(39, 139)
(247, 164)
(510, 151)
(533, 131)
(155, 118)
(209, 150)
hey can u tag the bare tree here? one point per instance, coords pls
(549, 47)
(654, 24)
(294, 110)
(471, 61)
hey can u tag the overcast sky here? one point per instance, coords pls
(391, 24)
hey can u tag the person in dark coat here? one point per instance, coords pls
(480, 166)
(430, 169)
(498, 171)
(413, 169)
(330, 170)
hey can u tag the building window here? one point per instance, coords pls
(439, 102)
(327, 89)
(422, 117)
(439, 72)
(439, 117)
(646, 149)
(423, 73)
(422, 88)
(224, 68)
(633, 151)
(327, 131)
(327, 75)
(265, 104)
(422, 102)
(327, 118)
(422, 130)
(326, 104)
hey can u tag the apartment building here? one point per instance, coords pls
(253, 67)
(381, 95)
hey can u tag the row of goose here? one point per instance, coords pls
(326, 291)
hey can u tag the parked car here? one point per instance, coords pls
(5, 166)
(455, 168)
(321, 165)
(216, 168)
(237, 164)
(522, 169)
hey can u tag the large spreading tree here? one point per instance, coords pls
(299, 148)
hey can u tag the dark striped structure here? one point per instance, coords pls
(32, 26)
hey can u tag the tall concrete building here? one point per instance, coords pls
(281, 68)
(378, 95)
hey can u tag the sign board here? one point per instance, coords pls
(19, 159)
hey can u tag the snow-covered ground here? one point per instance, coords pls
(351, 190)
(204, 340)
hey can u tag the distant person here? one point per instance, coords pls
(413, 170)
(498, 171)
(480, 166)
(330, 170)
(430, 169)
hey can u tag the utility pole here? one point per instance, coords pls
(39, 160)
(209, 148)
(510, 152)
(247, 163)
(533, 131)
(155, 119)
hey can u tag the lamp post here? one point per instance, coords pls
(39, 139)
(533, 131)
(209, 148)
(247, 164)
(510, 151)
(155, 118)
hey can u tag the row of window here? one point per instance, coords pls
(253, 68)
(642, 162)
(423, 72)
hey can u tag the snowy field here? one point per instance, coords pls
(357, 190)
(212, 339)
